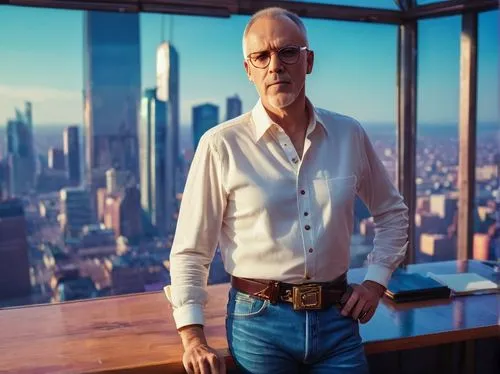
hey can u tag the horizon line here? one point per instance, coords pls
(374, 123)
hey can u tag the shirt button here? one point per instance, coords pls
(294, 160)
(307, 277)
(306, 214)
(311, 250)
(302, 192)
(307, 227)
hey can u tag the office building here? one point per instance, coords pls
(131, 273)
(167, 90)
(233, 107)
(205, 117)
(122, 213)
(445, 206)
(14, 262)
(4, 179)
(112, 85)
(75, 211)
(20, 153)
(118, 180)
(71, 146)
(153, 160)
(439, 247)
(55, 159)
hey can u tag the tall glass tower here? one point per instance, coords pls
(112, 90)
(153, 152)
(167, 90)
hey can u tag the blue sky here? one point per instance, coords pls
(355, 70)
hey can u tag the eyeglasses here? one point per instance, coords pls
(288, 55)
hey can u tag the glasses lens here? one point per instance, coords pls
(260, 59)
(289, 55)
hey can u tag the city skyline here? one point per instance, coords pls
(55, 88)
(81, 240)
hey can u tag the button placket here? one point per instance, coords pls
(284, 142)
(303, 195)
(287, 146)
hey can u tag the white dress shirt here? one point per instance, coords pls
(279, 216)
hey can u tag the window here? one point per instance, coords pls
(425, 2)
(387, 4)
(89, 180)
(486, 241)
(354, 74)
(437, 142)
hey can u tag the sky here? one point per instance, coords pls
(41, 59)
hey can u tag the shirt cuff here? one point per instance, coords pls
(379, 274)
(187, 314)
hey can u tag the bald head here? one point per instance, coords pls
(274, 13)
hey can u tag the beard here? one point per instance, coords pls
(281, 100)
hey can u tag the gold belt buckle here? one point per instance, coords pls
(307, 297)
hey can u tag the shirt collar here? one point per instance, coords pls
(262, 121)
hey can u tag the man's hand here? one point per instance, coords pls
(363, 300)
(198, 357)
(201, 359)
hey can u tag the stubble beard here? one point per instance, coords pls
(282, 100)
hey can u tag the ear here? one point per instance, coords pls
(310, 62)
(248, 70)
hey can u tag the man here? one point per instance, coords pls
(275, 188)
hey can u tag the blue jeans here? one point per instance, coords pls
(274, 339)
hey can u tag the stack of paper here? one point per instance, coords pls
(465, 283)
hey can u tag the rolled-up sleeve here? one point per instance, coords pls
(390, 215)
(197, 233)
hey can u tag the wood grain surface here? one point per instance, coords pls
(136, 333)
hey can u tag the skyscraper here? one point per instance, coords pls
(71, 144)
(28, 120)
(167, 90)
(75, 211)
(28, 114)
(205, 117)
(167, 81)
(55, 158)
(233, 107)
(153, 166)
(4, 179)
(112, 84)
(118, 180)
(14, 262)
(130, 214)
(20, 152)
(20, 156)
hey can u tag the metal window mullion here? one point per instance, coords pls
(467, 137)
(407, 124)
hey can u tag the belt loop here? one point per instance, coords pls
(271, 292)
(275, 292)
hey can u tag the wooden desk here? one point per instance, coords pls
(123, 334)
(419, 324)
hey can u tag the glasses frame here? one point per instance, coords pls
(301, 48)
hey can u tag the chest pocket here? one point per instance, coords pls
(332, 199)
(342, 191)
